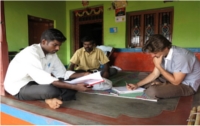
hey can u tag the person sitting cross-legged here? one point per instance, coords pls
(89, 58)
(35, 72)
(176, 72)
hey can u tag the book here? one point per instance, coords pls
(124, 90)
(91, 79)
(111, 93)
(144, 97)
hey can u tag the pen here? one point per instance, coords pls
(126, 83)
(128, 86)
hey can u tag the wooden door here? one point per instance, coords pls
(36, 26)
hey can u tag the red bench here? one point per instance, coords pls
(134, 61)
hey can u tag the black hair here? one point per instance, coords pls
(53, 34)
(156, 43)
(88, 39)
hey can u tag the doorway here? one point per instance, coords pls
(88, 22)
(94, 30)
(36, 26)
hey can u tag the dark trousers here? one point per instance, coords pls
(34, 91)
(112, 71)
(164, 89)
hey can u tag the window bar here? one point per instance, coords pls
(165, 25)
(135, 41)
(149, 24)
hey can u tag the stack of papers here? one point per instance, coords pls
(124, 90)
(91, 79)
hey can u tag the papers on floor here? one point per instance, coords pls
(91, 79)
(111, 93)
(124, 90)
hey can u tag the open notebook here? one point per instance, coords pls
(110, 92)
(124, 90)
(91, 79)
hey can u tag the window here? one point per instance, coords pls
(142, 24)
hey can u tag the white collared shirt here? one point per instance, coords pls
(31, 64)
(169, 57)
(184, 61)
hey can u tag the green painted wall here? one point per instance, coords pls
(186, 21)
(185, 33)
(16, 17)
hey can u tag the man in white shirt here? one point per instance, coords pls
(33, 73)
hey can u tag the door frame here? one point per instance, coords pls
(3, 49)
(31, 30)
(85, 19)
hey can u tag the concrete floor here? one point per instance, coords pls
(95, 109)
(107, 111)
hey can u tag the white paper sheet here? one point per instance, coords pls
(124, 90)
(90, 79)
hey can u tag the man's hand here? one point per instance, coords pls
(82, 87)
(86, 73)
(77, 75)
(105, 74)
(157, 61)
(155, 83)
(131, 86)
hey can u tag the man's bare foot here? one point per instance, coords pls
(53, 103)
